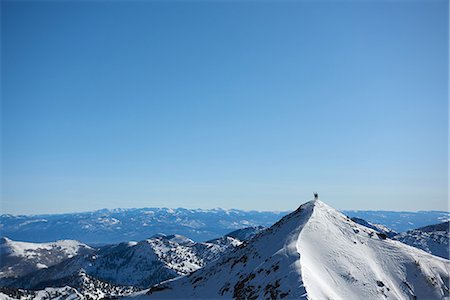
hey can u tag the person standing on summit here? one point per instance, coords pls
(316, 196)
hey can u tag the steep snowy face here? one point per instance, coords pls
(20, 258)
(316, 253)
(432, 239)
(342, 260)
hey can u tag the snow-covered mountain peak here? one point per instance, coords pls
(19, 258)
(319, 205)
(4, 240)
(316, 253)
(180, 239)
(16, 248)
(335, 252)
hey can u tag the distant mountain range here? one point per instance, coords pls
(119, 225)
(400, 221)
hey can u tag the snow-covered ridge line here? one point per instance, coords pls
(315, 253)
(20, 258)
(17, 248)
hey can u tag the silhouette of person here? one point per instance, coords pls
(316, 196)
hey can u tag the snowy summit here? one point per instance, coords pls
(315, 253)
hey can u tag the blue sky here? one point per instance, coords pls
(250, 105)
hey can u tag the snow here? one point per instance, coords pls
(108, 221)
(21, 258)
(25, 249)
(63, 293)
(330, 261)
(182, 240)
(58, 294)
(377, 227)
(433, 239)
(41, 266)
(139, 264)
(315, 253)
(32, 221)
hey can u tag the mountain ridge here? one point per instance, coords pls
(315, 253)
(433, 239)
(121, 266)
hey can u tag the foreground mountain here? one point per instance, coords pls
(315, 253)
(122, 225)
(119, 225)
(20, 258)
(432, 239)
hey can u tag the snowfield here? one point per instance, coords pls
(67, 247)
(20, 258)
(315, 253)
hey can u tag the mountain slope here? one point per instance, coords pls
(20, 258)
(432, 239)
(64, 293)
(340, 259)
(315, 253)
(83, 287)
(140, 264)
(377, 227)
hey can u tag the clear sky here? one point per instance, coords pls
(239, 104)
